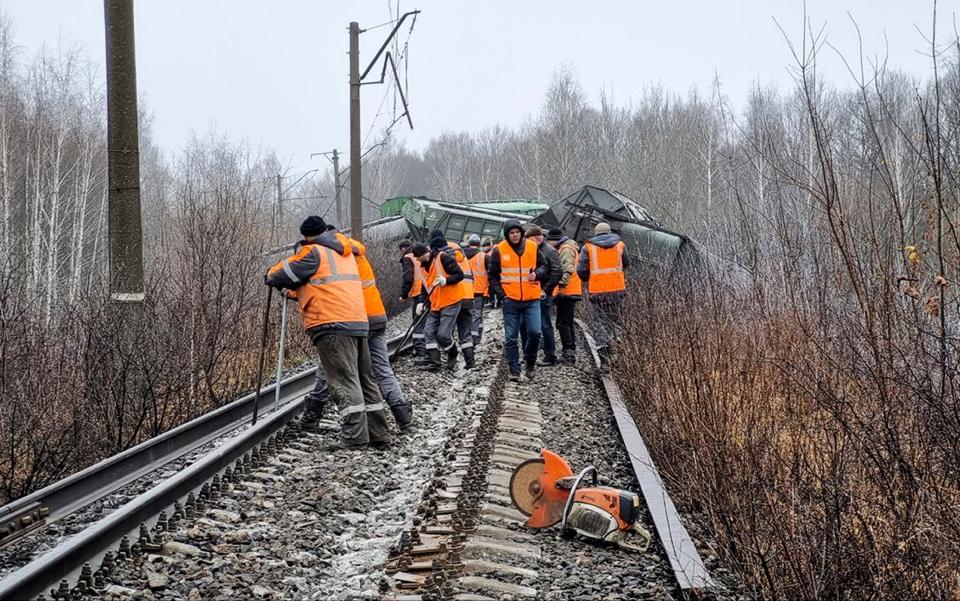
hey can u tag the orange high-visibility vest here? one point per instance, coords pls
(446, 295)
(606, 268)
(332, 295)
(466, 285)
(417, 287)
(480, 280)
(372, 301)
(514, 270)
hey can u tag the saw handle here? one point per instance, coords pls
(573, 493)
(640, 531)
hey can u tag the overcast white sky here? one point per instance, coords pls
(275, 72)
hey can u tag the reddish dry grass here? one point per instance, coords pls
(816, 479)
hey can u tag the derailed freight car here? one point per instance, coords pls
(648, 242)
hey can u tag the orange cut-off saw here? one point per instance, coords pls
(547, 490)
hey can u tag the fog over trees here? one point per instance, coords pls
(807, 416)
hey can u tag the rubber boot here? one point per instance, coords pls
(402, 414)
(434, 359)
(469, 359)
(452, 358)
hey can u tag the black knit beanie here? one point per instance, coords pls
(313, 226)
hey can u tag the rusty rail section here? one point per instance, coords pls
(688, 568)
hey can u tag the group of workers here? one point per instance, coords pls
(528, 275)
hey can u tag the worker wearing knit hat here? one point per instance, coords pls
(313, 226)
(444, 277)
(554, 235)
(334, 316)
(602, 265)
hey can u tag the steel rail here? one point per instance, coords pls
(685, 561)
(49, 504)
(85, 487)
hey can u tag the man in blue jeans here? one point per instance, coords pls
(516, 269)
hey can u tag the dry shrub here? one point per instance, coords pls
(814, 481)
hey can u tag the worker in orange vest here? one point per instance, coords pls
(549, 284)
(516, 269)
(377, 340)
(479, 262)
(326, 279)
(567, 294)
(444, 295)
(603, 260)
(486, 247)
(412, 288)
(465, 316)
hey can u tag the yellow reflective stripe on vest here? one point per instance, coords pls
(595, 261)
(334, 276)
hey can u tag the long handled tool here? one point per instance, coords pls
(280, 353)
(414, 324)
(263, 352)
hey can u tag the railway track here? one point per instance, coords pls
(71, 559)
(264, 515)
(469, 542)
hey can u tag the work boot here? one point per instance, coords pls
(433, 362)
(514, 376)
(568, 356)
(452, 358)
(343, 446)
(469, 358)
(530, 370)
(421, 359)
(310, 421)
(549, 361)
(380, 445)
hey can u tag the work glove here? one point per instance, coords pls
(439, 281)
(420, 309)
(543, 295)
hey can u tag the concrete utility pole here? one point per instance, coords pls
(336, 187)
(356, 206)
(123, 155)
(356, 80)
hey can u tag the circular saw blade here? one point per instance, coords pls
(525, 485)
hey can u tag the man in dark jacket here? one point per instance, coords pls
(479, 263)
(570, 292)
(602, 265)
(443, 279)
(412, 289)
(554, 273)
(515, 278)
